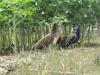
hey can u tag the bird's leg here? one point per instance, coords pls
(46, 47)
(58, 47)
(73, 46)
(70, 47)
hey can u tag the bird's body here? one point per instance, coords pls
(43, 42)
(72, 39)
(48, 39)
(8, 50)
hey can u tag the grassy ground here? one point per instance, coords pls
(76, 61)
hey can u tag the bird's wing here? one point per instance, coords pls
(70, 39)
(45, 41)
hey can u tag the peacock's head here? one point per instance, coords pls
(78, 31)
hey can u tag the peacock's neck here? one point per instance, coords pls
(77, 34)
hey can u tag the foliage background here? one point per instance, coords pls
(19, 19)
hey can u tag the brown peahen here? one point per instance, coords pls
(48, 39)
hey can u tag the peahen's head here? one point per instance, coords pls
(55, 28)
(78, 31)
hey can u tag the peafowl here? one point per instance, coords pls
(48, 39)
(8, 50)
(72, 39)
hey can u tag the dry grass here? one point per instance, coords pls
(77, 61)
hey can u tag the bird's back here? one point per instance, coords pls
(44, 42)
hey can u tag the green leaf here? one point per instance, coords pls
(2, 9)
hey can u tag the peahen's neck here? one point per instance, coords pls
(55, 32)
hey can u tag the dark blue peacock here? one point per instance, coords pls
(72, 39)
